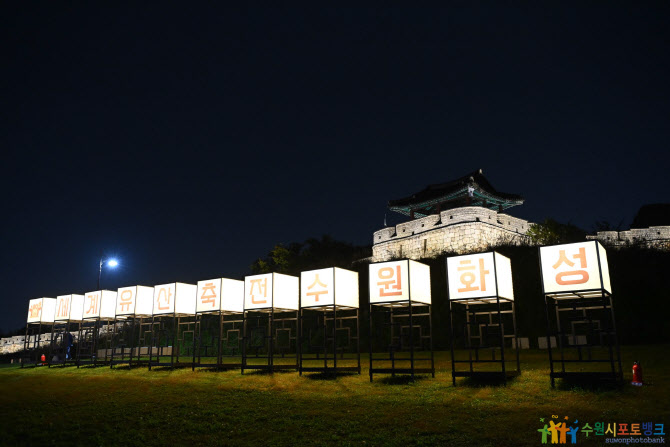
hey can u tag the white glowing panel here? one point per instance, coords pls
(232, 295)
(329, 286)
(481, 275)
(604, 268)
(286, 292)
(100, 304)
(346, 288)
(419, 282)
(395, 281)
(185, 298)
(574, 267)
(144, 301)
(69, 308)
(41, 310)
(175, 298)
(271, 290)
(504, 276)
(134, 300)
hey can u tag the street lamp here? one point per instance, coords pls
(111, 262)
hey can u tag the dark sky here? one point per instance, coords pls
(188, 140)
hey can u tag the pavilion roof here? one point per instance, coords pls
(455, 193)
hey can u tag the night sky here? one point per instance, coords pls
(189, 140)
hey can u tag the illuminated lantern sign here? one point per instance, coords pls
(482, 275)
(576, 267)
(399, 281)
(41, 310)
(174, 298)
(100, 304)
(271, 290)
(328, 287)
(69, 307)
(221, 294)
(134, 300)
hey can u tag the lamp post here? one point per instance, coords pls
(111, 262)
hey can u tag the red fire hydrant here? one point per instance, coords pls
(43, 359)
(637, 374)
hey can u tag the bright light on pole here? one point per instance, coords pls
(110, 263)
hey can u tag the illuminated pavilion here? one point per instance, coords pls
(470, 190)
(459, 216)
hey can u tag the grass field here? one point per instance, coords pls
(99, 406)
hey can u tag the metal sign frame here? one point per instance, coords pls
(260, 333)
(122, 342)
(32, 348)
(61, 332)
(597, 312)
(595, 308)
(226, 324)
(313, 323)
(492, 309)
(171, 328)
(92, 340)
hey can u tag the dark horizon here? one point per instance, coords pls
(189, 142)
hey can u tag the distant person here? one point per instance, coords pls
(69, 345)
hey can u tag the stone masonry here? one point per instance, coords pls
(459, 230)
(652, 237)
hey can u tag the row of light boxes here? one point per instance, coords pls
(566, 270)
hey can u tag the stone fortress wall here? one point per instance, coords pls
(458, 230)
(652, 237)
(11, 345)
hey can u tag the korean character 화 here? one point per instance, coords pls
(471, 275)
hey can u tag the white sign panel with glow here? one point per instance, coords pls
(574, 267)
(175, 298)
(69, 307)
(100, 304)
(271, 290)
(399, 281)
(41, 310)
(479, 275)
(329, 286)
